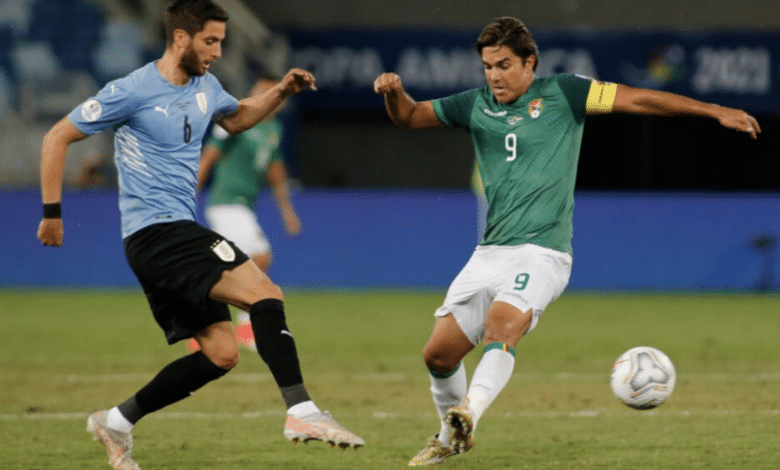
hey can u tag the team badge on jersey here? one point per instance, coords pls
(225, 252)
(91, 110)
(535, 108)
(203, 105)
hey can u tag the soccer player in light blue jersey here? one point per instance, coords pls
(526, 132)
(189, 274)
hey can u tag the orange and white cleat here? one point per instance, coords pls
(119, 445)
(244, 332)
(320, 426)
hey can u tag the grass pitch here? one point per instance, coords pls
(65, 354)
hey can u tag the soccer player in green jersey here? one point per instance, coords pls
(242, 164)
(526, 132)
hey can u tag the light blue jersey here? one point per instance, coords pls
(159, 128)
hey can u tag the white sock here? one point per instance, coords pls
(448, 392)
(303, 409)
(116, 421)
(490, 377)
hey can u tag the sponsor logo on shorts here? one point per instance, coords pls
(225, 252)
(515, 294)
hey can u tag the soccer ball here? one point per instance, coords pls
(643, 378)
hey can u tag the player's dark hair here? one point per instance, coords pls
(191, 16)
(512, 33)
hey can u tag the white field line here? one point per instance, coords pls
(280, 413)
(402, 377)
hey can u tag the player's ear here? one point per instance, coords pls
(180, 38)
(531, 61)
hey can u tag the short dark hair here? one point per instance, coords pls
(191, 16)
(510, 32)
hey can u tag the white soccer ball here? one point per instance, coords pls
(643, 378)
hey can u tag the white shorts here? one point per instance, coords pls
(528, 277)
(238, 224)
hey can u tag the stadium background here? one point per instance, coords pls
(662, 203)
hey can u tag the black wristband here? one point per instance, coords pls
(52, 211)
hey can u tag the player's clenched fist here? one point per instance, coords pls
(388, 82)
(50, 232)
(296, 80)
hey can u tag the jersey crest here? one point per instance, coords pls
(203, 104)
(535, 108)
(224, 251)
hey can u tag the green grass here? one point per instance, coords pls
(65, 354)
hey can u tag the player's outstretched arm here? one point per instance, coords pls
(254, 109)
(403, 110)
(660, 103)
(53, 152)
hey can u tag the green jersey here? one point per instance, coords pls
(527, 153)
(240, 172)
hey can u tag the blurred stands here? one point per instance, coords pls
(56, 53)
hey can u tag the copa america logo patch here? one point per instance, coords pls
(91, 110)
(224, 251)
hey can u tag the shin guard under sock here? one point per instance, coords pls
(276, 347)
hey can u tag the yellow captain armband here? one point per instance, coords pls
(601, 97)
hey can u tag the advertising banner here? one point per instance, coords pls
(737, 69)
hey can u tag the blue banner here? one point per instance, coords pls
(421, 239)
(739, 70)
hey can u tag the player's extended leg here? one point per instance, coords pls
(176, 381)
(244, 332)
(248, 288)
(443, 354)
(504, 326)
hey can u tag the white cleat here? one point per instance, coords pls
(119, 445)
(320, 426)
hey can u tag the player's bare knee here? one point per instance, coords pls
(439, 361)
(223, 356)
(226, 359)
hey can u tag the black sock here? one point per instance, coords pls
(277, 348)
(174, 382)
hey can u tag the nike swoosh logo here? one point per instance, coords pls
(285, 332)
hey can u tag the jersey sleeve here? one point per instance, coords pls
(455, 110)
(575, 88)
(112, 106)
(225, 102)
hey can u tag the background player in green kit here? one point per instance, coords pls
(241, 165)
(526, 132)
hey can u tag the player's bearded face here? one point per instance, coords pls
(507, 74)
(203, 48)
(191, 63)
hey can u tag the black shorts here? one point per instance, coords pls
(177, 264)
